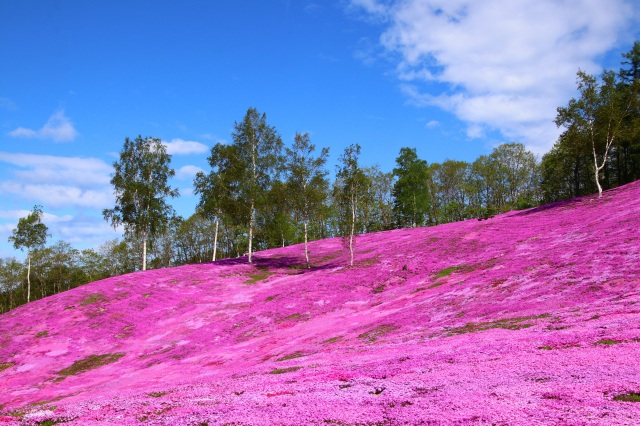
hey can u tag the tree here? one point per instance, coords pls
(11, 278)
(219, 188)
(597, 116)
(140, 188)
(515, 172)
(350, 186)
(258, 148)
(565, 171)
(30, 233)
(242, 173)
(410, 190)
(377, 200)
(452, 178)
(306, 183)
(627, 153)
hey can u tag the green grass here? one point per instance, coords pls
(270, 298)
(44, 333)
(89, 363)
(284, 370)
(447, 271)
(628, 397)
(294, 355)
(92, 298)
(157, 394)
(5, 365)
(608, 342)
(379, 289)
(258, 276)
(374, 334)
(332, 340)
(517, 323)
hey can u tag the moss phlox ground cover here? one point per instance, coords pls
(532, 317)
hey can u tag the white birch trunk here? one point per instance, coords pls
(215, 241)
(306, 249)
(597, 173)
(28, 276)
(353, 226)
(251, 230)
(144, 251)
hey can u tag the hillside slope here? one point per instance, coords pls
(532, 317)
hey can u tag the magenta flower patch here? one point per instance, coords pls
(532, 317)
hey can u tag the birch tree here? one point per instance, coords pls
(597, 115)
(241, 173)
(349, 188)
(258, 149)
(140, 187)
(30, 233)
(307, 183)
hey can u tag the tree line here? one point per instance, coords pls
(260, 194)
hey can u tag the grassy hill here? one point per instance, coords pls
(531, 317)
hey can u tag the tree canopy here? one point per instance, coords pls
(140, 185)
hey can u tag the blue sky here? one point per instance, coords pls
(452, 78)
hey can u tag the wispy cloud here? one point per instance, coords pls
(55, 169)
(188, 172)
(182, 147)
(498, 64)
(58, 128)
(58, 181)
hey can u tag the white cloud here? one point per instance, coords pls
(188, 172)
(50, 169)
(432, 123)
(47, 217)
(499, 64)
(182, 147)
(58, 128)
(57, 196)
(58, 181)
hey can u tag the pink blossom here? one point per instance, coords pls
(528, 318)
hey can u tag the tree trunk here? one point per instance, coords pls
(215, 240)
(353, 226)
(28, 276)
(144, 251)
(251, 229)
(306, 250)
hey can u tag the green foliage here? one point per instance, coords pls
(241, 174)
(411, 189)
(31, 232)
(349, 188)
(140, 183)
(306, 186)
(377, 201)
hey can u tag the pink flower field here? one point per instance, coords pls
(529, 318)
